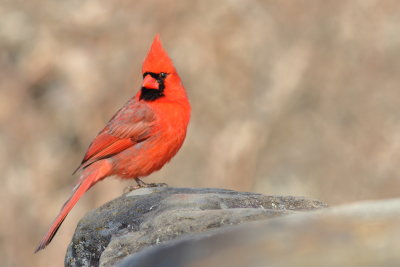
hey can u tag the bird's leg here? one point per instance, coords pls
(141, 184)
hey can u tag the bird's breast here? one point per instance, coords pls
(166, 138)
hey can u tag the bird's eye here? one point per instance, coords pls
(163, 75)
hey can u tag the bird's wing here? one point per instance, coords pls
(130, 125)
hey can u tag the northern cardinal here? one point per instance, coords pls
(141, 137)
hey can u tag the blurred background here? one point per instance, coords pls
(289, 97)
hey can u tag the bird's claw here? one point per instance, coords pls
(145, 185)
(141, 184)
(158, 185)
(130, 188)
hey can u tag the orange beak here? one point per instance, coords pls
(150, 83)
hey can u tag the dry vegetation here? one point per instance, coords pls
(289, 97)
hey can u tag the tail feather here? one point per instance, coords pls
(88, 179)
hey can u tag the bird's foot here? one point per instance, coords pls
(141, 184)
(130, 188)
(155, 185)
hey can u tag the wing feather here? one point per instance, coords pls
(130, 125)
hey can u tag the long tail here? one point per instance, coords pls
(90, 176)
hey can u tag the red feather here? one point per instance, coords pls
(130, 125)
(141, 137)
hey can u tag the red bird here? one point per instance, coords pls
(141, 137)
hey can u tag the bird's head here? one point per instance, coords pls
(158, 72)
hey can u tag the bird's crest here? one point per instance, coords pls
(157, 59)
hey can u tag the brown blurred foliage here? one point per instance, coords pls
(289, 97)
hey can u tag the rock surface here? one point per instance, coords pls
(361, 234)
(149, 216)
